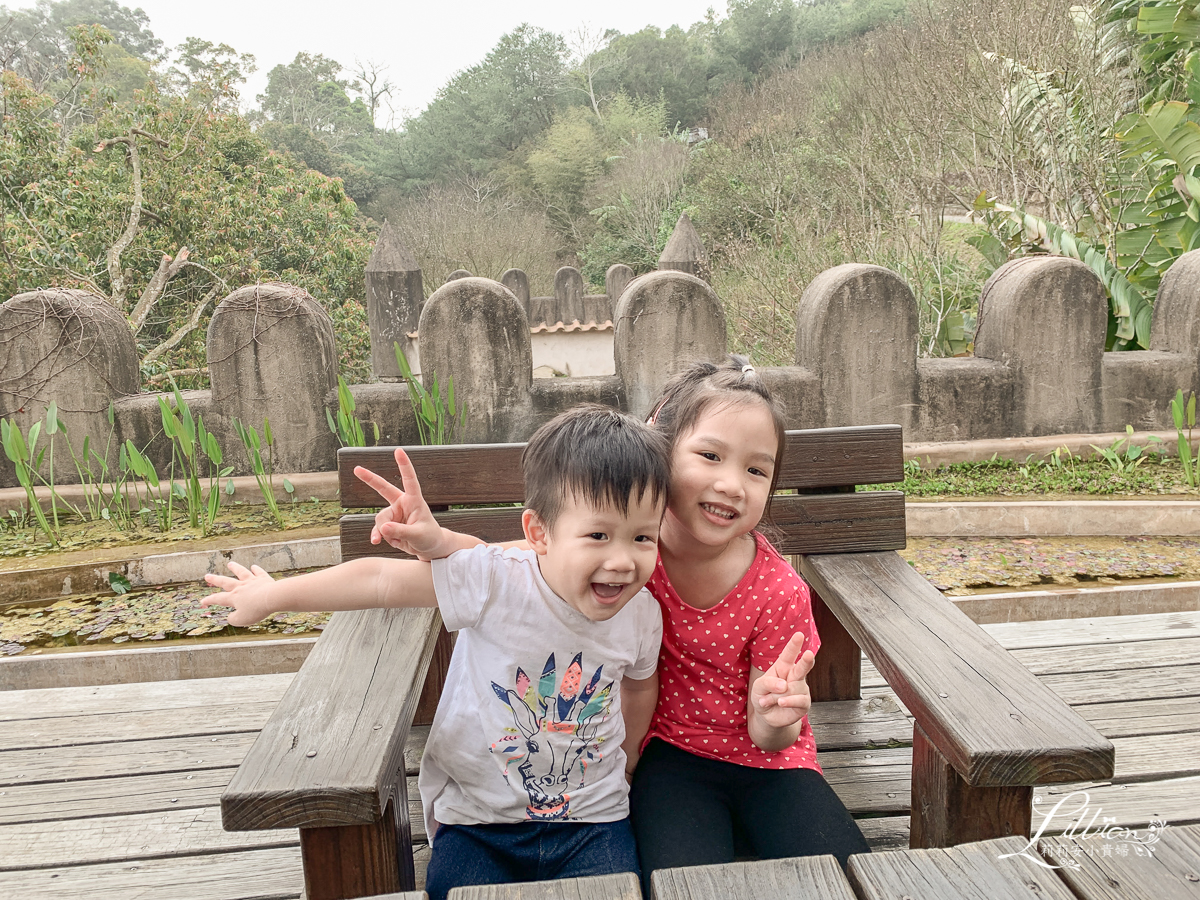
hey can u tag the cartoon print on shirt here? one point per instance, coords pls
(554, 740)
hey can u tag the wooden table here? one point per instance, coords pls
(1163, 866)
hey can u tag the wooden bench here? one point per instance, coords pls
(331, 761)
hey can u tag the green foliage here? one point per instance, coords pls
(189, 442)
(264, 473)
(347, 428)
(21, 451)
(1123, 454)
(439, 418)
(1185, 414)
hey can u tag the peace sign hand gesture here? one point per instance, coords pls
(406, 523)
(780, 696)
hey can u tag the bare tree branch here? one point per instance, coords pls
(167, 269)
(184, 330)
(167, 376)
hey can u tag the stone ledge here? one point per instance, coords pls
(1053, 518)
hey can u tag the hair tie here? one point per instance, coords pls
(747, 369)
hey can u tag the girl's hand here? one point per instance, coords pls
(780, 696)
(249, 593)
(407, 522)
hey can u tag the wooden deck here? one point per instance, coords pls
(114, 790)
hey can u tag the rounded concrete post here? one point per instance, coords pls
(70, 347)
(856, 328)
(394, 297)
(685, 251)
(568, 293)
(616, 279)
(474, 331)
(1046, 317)
(518, 282)
(457, 274)
(1175, 327)
(664, 321)
(271, 354)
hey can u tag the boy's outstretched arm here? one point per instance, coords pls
(359, 584)
(638, 699)
(407, 523)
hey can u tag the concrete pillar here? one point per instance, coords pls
(663, 322)
(70, 347)
(518, 282)
(271, 354)
(457, 274)
(475, 331)
(568, 291)
(856, 328)
(685, 251)
(394, 297)
(1175, 327)
(1046, 317)
(616, 279)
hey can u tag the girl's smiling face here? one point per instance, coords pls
(721, 471)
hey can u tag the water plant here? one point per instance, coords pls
(263, 474)
(1123, 454)
(189, 441)
(347, 428)
(439, 419)
(20, 449)
(1185, 414)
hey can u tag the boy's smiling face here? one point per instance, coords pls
(597, 557)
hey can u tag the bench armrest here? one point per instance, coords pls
(332, 752)
(988, 715)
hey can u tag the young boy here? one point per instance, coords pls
(553, 674)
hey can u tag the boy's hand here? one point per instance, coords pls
(407, 522)
(780, 695)
(249, 594)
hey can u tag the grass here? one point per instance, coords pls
(1155, 475)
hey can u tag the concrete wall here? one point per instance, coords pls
(1039, 367)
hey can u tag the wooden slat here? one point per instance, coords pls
(599, 887)
(850, 724)
(775, 879)
(1131, 804)
(1156, 756)
(1123, 656)
(272, 874)
(91, 761)
(331, 753)
(992, 719)
(44, 703)
(494, 526)
(1170, 872)
(839, 523)
(112, 796)
(174, 832)
(824, 523)
(458, 473)
(491, 473)
(885, 832)
(72, 731)
(1129, 718)
(966, 872)
(1144, 684)
(1099, 630)
(870, 782)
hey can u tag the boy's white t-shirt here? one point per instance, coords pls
(529, 726)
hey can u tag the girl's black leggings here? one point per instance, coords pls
(691, 811)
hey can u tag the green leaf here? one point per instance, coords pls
(229, 488)
(287, 486)
(52, 418)
(119, 583)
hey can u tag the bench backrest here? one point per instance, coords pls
(821, 465)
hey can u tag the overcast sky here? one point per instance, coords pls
(422, 44)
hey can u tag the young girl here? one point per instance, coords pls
(729, 764)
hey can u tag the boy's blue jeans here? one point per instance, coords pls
(527, 851)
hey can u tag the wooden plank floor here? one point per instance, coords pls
(114, 790)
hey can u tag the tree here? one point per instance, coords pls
(373, 85)
(308, 92)
(172, 207)
(485, 113)
(209, 73)
(756, 35)
(37, 43)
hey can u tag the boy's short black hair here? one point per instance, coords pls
(598, 455)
